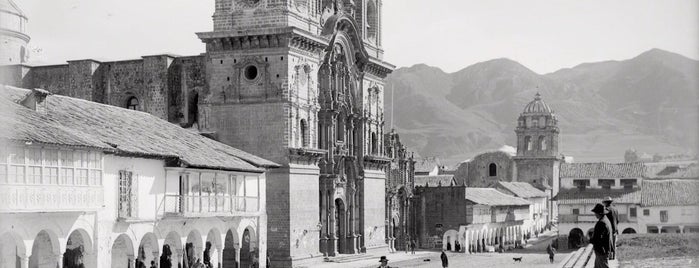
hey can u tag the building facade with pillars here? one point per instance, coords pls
(400, 184)
(83, 183)
(668, 206)
(297, 82)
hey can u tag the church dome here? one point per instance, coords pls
(537, 106)
(13, 36)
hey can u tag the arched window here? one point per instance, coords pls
(132, 103)
(542, 143)
(372, 21)
(374, 144)
(304, 133)
(542, 121)
(528, 143)
(492, 170)
(340, 128)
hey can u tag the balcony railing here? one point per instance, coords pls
(572, 218)
(50, 198)
(190, 205)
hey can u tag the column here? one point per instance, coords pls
(237, 254)
(24, 262)
(59, 260)
(332, 242)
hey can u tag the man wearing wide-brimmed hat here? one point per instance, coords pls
(613, 217)
(384, 262)
(601, 237)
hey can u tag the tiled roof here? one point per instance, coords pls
(594, 196)
(75, 122)
(493, 197)
(602, 170)
(522, 189)
(674, 192)
(433, 181)
(677, 172)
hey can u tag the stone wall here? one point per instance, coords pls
(442, 209)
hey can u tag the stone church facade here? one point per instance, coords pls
(298, 82)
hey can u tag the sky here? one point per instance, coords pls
(545, 36)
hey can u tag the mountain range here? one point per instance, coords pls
(648, 103)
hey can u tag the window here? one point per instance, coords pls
(250, 72)
(542, 143)
(127, 195)
(581, 184)
(632, 212)
(492, 170)
(663, 216)
(646, 212)
(605, 183)
(528, 143)
(132, 103)
(304, 133)
(374, 144)
(576, 211)
(372, 27)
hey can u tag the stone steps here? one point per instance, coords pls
(350, 258)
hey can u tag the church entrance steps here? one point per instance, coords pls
(345, 258)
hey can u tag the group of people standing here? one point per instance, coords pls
(604, 236)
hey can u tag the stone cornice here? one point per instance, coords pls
(306, 156)
(15, 34)
(268, 38)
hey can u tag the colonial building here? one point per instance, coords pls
(103, 186)
(668, 206)
(585, 184)
(538, 213)
(297, 82)
(400, 183)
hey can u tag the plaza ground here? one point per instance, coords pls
(532, 256)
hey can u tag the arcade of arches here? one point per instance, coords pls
(48, 250)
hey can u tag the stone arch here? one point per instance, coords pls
(78, 250)
(248, 246)
(123, 253)
(148, 249)
(212, 247)
(44, 250)
(628, 231)
(132, 103)
(172, 243)
(492, 170)
(12, 249)
(231, 244)
(449, 239)
(575, 238)
(194, 242)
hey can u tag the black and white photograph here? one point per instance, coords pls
(349, 133)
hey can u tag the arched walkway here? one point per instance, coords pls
(12, 250)
(122, 252)
(212, 248)
(173, 244)
(230, 247)
(628, 231)
(194, 247)
(248, 248)
(148, 250)
(78, 250)
(44, 250)
(575, 238)
(449, 240)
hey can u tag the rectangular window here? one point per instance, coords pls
(33, 175)
(581, 184)
(628, 183)
(16, 174)
(606, 184)
(646, 212)
(576, 211)
(95, 177)
(81, 177)
(127, 195)
(17, 156)
(67, 176)
(51, 158)
(67, 159)
(632, 212)
(51, 175)
(663, 216)
(3, 174)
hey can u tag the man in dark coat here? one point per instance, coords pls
(384, 262)
(445, 260)
(613, 217)
(601, 239)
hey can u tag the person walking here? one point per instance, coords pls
(601, 239)
(412, 246)
(407, 246)
(445, 260)
(613, 217)
(551, 251)
(384, 262)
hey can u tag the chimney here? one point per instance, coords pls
(35, 100)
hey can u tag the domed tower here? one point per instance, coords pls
(537, 130)
(537, 159)
(13, 36)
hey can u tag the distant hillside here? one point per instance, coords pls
(648, 102)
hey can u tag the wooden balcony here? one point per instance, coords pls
(575, 218)
(208, 206)
(50, 198)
